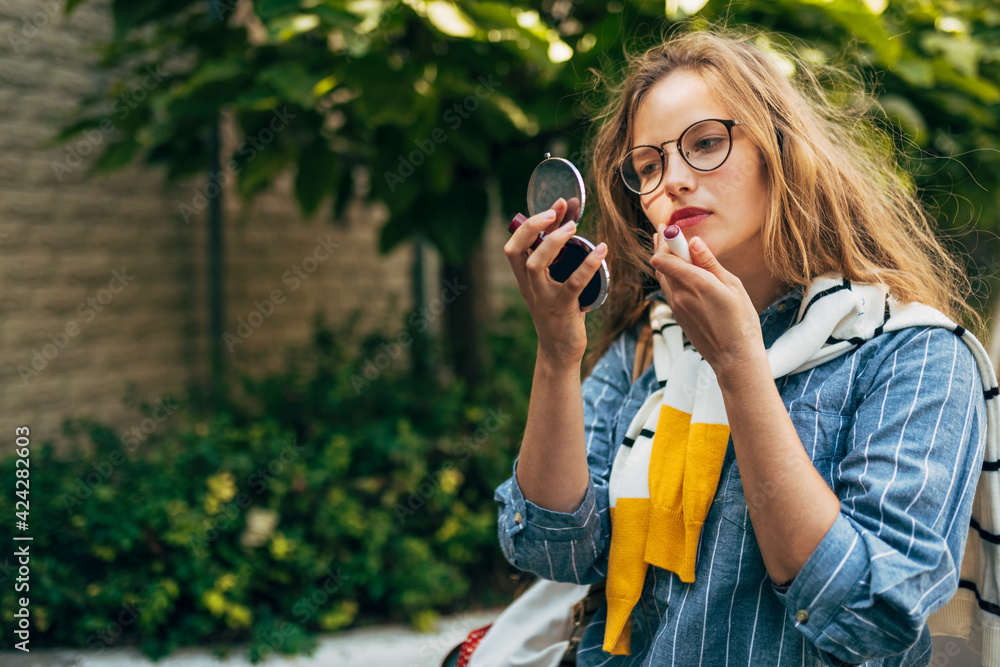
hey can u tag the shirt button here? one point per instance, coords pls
(517, 518)
(781, 307)
(802, 616)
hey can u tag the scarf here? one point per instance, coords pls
(666, 471)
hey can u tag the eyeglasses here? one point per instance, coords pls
(704, 145)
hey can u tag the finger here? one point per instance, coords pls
(518, 246)
(525, 236)
(660, 248)
(546, 253)
(706, 259)
(573, 209)
(581, 277)
(667, 261)
(658, 237)
(562, 209)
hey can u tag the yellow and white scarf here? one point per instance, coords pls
(666, 471)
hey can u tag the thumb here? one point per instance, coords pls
(703, 257)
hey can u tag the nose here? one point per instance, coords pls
(678, 176)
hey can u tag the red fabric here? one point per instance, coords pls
(470, 644)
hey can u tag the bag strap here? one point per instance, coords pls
(583, 612)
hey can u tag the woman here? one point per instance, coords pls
(789, 369)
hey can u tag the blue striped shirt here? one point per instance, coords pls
(897, 430)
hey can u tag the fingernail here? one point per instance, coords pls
(601, 247)
(549, 215)
(568, 226)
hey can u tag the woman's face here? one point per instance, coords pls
(734, 195)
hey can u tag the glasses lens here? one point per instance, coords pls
(706, 145)
(641, 169)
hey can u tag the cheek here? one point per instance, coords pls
(740, 181)
(649, 206)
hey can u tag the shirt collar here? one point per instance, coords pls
(791, 299)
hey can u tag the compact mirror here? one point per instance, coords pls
(553, 178)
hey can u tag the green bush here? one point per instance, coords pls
(319, 499)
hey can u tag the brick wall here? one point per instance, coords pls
(62, 242)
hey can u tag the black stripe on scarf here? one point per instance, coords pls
(667, 325)
(845, 285)
(983, 604)
(988, 394)
(857, 341)
(628, 442)
(885, 318)
(983, 533)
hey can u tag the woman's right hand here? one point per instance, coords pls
(554, 306)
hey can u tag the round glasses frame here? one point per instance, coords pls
(729, 124)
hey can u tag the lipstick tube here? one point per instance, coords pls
(677, 243)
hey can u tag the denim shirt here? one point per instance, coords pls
(897, 430)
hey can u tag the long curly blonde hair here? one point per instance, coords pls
(838, 198)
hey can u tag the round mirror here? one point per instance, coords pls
(556, 177)
(553, 178)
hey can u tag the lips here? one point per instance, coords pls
(688, 216)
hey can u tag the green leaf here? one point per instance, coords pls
(906, 116)
(291, 81)
(335, 17)
(393, 233)
(129, 14)
(73, 129)
(456, 225)
(260, 169)
(448, 19)
(917, 72)
(117, 156)
(859, 20)
(344, 188)
(513, 170)
(269, 9)
(318, 171)
(212, 71)
(984, 90)
(961, 53)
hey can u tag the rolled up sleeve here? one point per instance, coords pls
(906, 487)
(570, 546)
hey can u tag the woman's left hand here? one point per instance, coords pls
(709, 303)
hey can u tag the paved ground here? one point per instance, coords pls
(385, 646)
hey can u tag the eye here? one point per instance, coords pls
(649, 168)
(704, 144)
